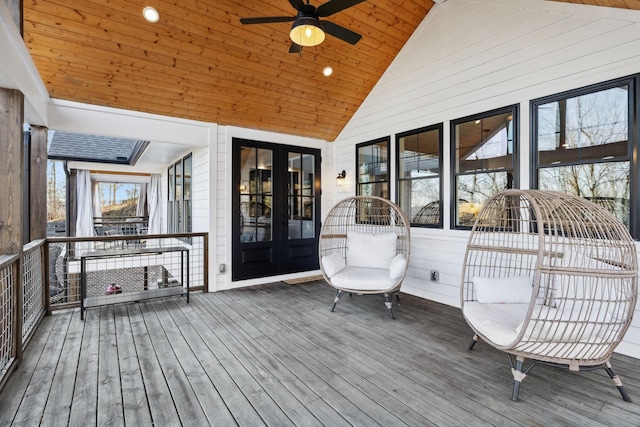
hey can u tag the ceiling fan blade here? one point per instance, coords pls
(297, 4)
(335, 6)
(295, 48)
(340, 32)
(267, 20)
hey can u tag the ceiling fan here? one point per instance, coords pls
(307, 29)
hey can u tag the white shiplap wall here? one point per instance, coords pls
(470, 56)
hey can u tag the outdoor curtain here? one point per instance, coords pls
(84, 221)
(154, 200)
(142, 200)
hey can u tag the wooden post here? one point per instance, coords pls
(11, 215)
(38, 183)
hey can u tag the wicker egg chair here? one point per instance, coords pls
(364, 247)
(549, 277)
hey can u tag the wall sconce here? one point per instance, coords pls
(340, 179)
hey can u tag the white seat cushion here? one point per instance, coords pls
(496, 322)
(363, 279)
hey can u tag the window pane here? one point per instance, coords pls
(171, 181)
(380, 189)
(419, 176)
(373, 163)
(420, 200)
(483, 147)
(187, 178)
(605, 183)
(585, 128)
(484, 144)
(474, 190)
(178, 181)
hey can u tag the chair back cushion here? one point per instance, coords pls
(503, 290)
(370, 250)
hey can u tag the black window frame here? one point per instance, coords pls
(514, 110)
(359, 184)
(633, 83)
(439, 127)
(172, 206)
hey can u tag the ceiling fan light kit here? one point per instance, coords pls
(306, 31)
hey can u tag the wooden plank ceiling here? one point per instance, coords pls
(199, 62)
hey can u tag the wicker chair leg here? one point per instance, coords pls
(473, 342)
(518, 376)
(387, 302)
(339, 294)
(617, 382)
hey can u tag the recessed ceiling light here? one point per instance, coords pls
(150, 14)
(327, 71)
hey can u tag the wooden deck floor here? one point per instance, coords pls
(275, 355)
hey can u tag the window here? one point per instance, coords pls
(179, 201)
(373, 168)
(581, 144)
(483, 150)
(419, 170)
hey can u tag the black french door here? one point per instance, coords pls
(276, 209)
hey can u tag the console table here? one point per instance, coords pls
(95, 301)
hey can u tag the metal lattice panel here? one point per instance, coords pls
(32, 298)
(6, 318)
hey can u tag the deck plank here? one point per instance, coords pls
(134, 397)
(161, 406)
(276, 355)
(110, 406)
(85, 391)
(58, 407)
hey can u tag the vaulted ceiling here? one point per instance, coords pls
(199, 62)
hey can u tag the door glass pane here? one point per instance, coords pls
(255, 194)
(308, 196)
(301, 196)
